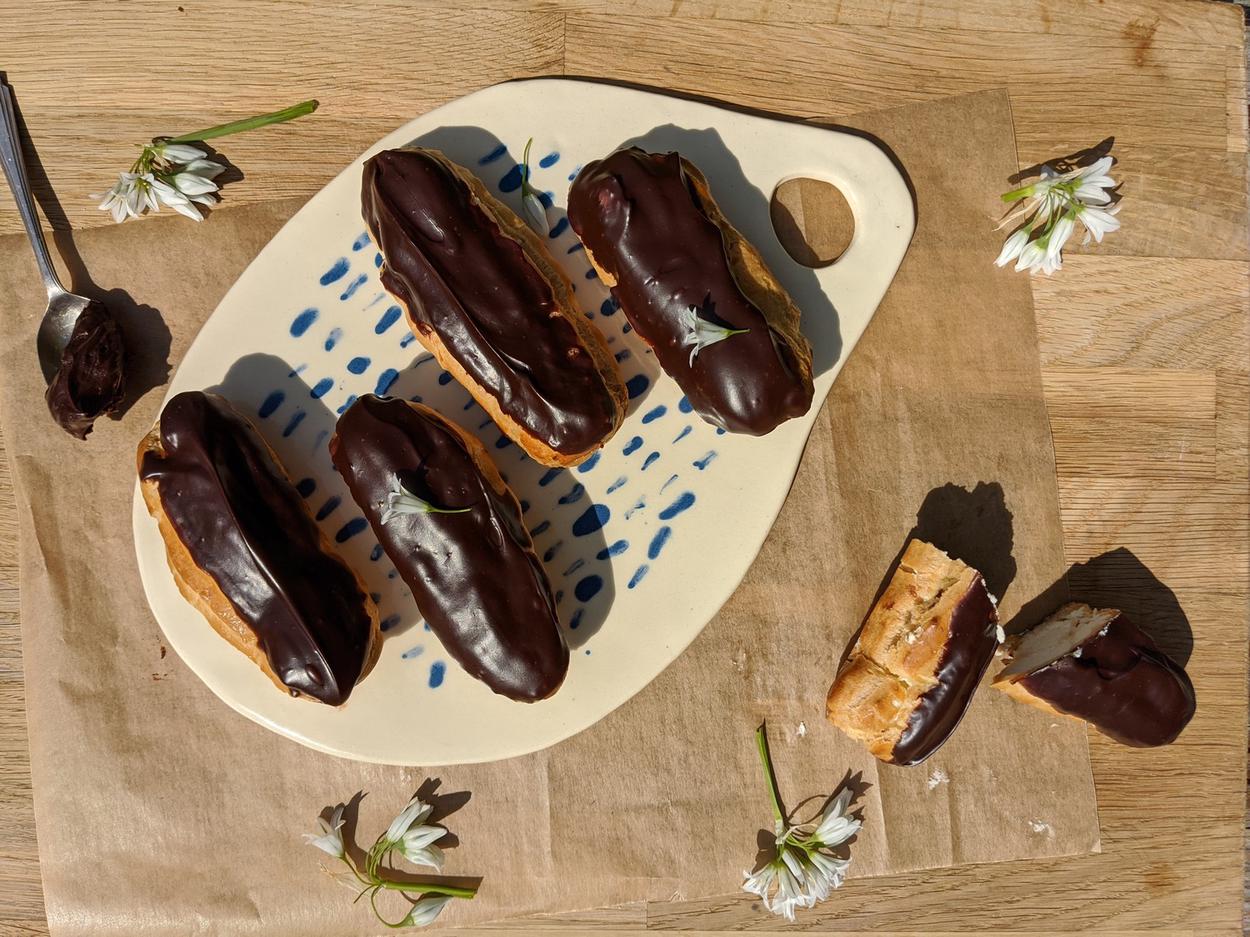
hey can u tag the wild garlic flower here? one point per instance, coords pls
(1049, 210)
(425, 911)
(803, 869)
(698, 332)
(414, 812)
(412, 839)
(417, 846)
(330, 840)
(531, 199)
(402, 502)
(171, 172)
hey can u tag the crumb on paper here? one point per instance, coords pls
(739, 660)
(801, 730)
(1040, 826)
(1076, 652)
(938, 777)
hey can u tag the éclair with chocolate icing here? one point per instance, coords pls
(1096, 665)
(483, 296)
(659, 241)
(453, 529)
(245, 551)
(918, 658)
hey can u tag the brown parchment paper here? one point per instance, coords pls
(161, 811)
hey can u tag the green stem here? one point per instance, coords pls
(373, 903)
(525, 168)
(761, 745)
(1016, 194)
(427, 888)
(251, 123)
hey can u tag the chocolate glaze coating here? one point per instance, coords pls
(90, 380)
(471, 285)
(968, 652)
(474, 575)
(1122, 684)
(643, 221)
(244, 524)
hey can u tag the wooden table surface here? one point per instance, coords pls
(1144, 341)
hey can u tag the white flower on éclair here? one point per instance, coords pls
(698, 333)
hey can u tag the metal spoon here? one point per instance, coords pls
(64, 307)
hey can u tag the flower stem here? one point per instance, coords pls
(761, 745)
(373, 903)
(1016, 194)
(251, 123)
(428, 888)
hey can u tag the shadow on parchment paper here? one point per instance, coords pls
(974, 526)
(1117, 579)
(146, 335)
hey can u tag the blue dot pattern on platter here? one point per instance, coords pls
(598, 531)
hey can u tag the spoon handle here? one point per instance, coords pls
(15, 172)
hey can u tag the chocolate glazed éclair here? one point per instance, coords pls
(474, 574)
(1121, 683)
(244, 524)
(471, 285)
(966, 656)
(648, 230)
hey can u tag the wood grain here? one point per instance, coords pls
(1143, 339)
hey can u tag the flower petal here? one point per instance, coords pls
(426, 910)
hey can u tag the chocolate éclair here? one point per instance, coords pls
(453, 529)
(682, 273)
(246, 552)
(484, 297)
(918, 658)
(1096, 665)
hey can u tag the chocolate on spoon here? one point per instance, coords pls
(79, 342)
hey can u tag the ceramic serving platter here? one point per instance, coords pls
(643, 542)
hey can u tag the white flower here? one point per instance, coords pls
(414, 812)
(425, 911)
(698, 332)
(535, 212)
(1050, 207)
(190, 183)
(1098, 221)
(836, 825)
(166, 194)
(401, 502)
(1012, 247)
(761, 882)
(122, 200)
(1092, 182)
(417, 846)
(176, 152)
(330, 840)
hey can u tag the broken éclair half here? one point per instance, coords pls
(918, 658)
(1096, 665)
